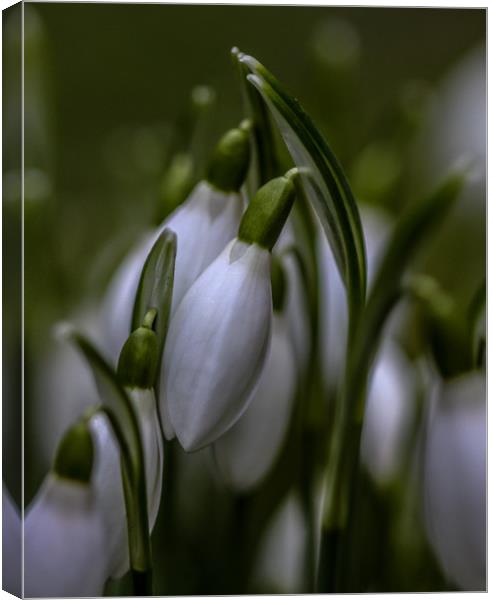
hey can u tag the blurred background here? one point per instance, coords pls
(122, 103)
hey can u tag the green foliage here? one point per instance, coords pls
(155, 289)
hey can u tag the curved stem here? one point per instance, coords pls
(135, 496)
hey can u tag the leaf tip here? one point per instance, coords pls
(256, 81)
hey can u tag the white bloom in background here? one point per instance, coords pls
(390, 392)
(65, 553)
(455, 134)
(138, 377)
(203, 224)
(63, 386)
(246, 452)
(455, 479)
(216, 345)
(64, 544)
(280, 563)
(333, 307)
(456, 124)
(296, 305)
(11, 545)
(388, 412)
(219, 335)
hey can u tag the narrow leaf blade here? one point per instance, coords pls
(112, 395)
(324, 181)
(409, 234)
(156, 286)
(266, 161)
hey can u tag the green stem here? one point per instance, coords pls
(142, 582)
(135, 496)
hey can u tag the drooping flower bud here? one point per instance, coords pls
(137, 364)
(455, 480)
(268, 211)
(136, 371)
(65, 547)
(279, 564)
(387, 413)
(74, 457)
(218, 338)
(203, 224)
(229, 162)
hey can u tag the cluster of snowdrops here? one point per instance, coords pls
(206, 322)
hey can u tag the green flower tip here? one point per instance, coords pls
(268, 211)
(228, 166)
(137, 365)
(176, 184)
(75, 453)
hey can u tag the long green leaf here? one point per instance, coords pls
(123, 420)
(266, 161)
(409, 233)
(323, 179)
(156, 286)
(112, 395)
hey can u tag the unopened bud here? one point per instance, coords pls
(229, 163)
(137, 365)
(268, 211)
(74, 457)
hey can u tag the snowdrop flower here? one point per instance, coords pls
(456, 123)
(296, 306)
(64, 537)
(333, 317)
(455, 133)
(203, 224)
(455, 479)
(219, 336)
(11, 545)
(387, 413)
(280, 559)
(63, 386)
(137, 370)
(247, 451)
(389, 400)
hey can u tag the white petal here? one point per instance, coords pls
(168, 431)
(144, 402)
(63, 386)
(456, 124)
(279, 566)
(455, 480)
(387, 413)
(333, 314)
(11, 545)
(216, 345)
(108, 487)
(296, 306)
(203, 224)
(246, 452)
(108, 481)
(297, 314)
(333, 307)
(118, 304)
(64, 542)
